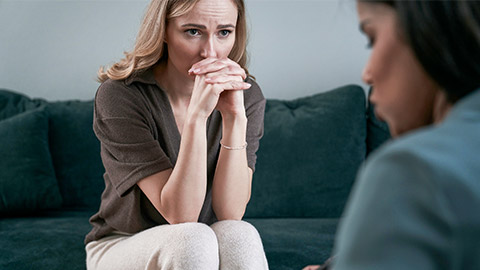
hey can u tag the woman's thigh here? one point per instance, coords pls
(180, 246)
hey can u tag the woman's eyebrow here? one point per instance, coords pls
(200, 26)
(221, 26)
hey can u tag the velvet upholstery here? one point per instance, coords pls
(292, 243)
(12, 103)
(306, 164)
(45, 240)
(48, 240)
(76, 153)
(311, 148)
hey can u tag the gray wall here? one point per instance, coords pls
(52, 49)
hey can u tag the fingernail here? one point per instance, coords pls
(248, 85)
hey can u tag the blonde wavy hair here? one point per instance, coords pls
(150, 48)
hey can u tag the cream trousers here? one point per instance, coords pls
(226, 245)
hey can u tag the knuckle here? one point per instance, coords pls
(231, 69)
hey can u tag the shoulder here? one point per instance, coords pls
(408, 170)
(436, 161)
(115, 97)
(439, 150)
(113, 89)
(398, 166)
(415, 187)
(402, 152)
(402, 164)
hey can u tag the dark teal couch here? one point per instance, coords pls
(51, 176)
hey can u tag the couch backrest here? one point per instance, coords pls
(309, 154)
(74, 148)
(12, 103)
(75, 153)
(307, 160)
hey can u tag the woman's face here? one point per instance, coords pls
(207, 31)
(403, 93)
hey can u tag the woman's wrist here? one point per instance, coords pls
(195, 117)
(229, 147)
(195, 121)
(234, 131)
(234, 123)
(234, 118)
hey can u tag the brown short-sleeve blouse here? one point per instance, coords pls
(139, 137)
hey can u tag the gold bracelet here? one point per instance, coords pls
(234, 147)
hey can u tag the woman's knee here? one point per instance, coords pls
(191, 246)
(242, 230)
(240, 245)
(195, 236)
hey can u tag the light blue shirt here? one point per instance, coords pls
(416, 202)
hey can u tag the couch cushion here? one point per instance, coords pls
(309, 154)
(55, 241)
(27, 178)
(76, 153)
(12, 103)
(46, 241)
(294, 243)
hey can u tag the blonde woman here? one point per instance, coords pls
(179, 121)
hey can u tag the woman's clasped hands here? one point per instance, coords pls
(219, 84)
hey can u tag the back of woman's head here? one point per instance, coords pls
(445, 37)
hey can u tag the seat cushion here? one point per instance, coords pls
(54, 240)
(47, 241)
(309, 155)
(294, 243)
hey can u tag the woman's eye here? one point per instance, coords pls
(224, 33)
(192, 32)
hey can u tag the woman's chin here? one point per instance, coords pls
(378, 115)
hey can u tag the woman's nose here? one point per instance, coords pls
(208, 50)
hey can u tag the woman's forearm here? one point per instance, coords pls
(184, 193)
(232, 180)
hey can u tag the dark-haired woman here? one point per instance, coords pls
(415, 204)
